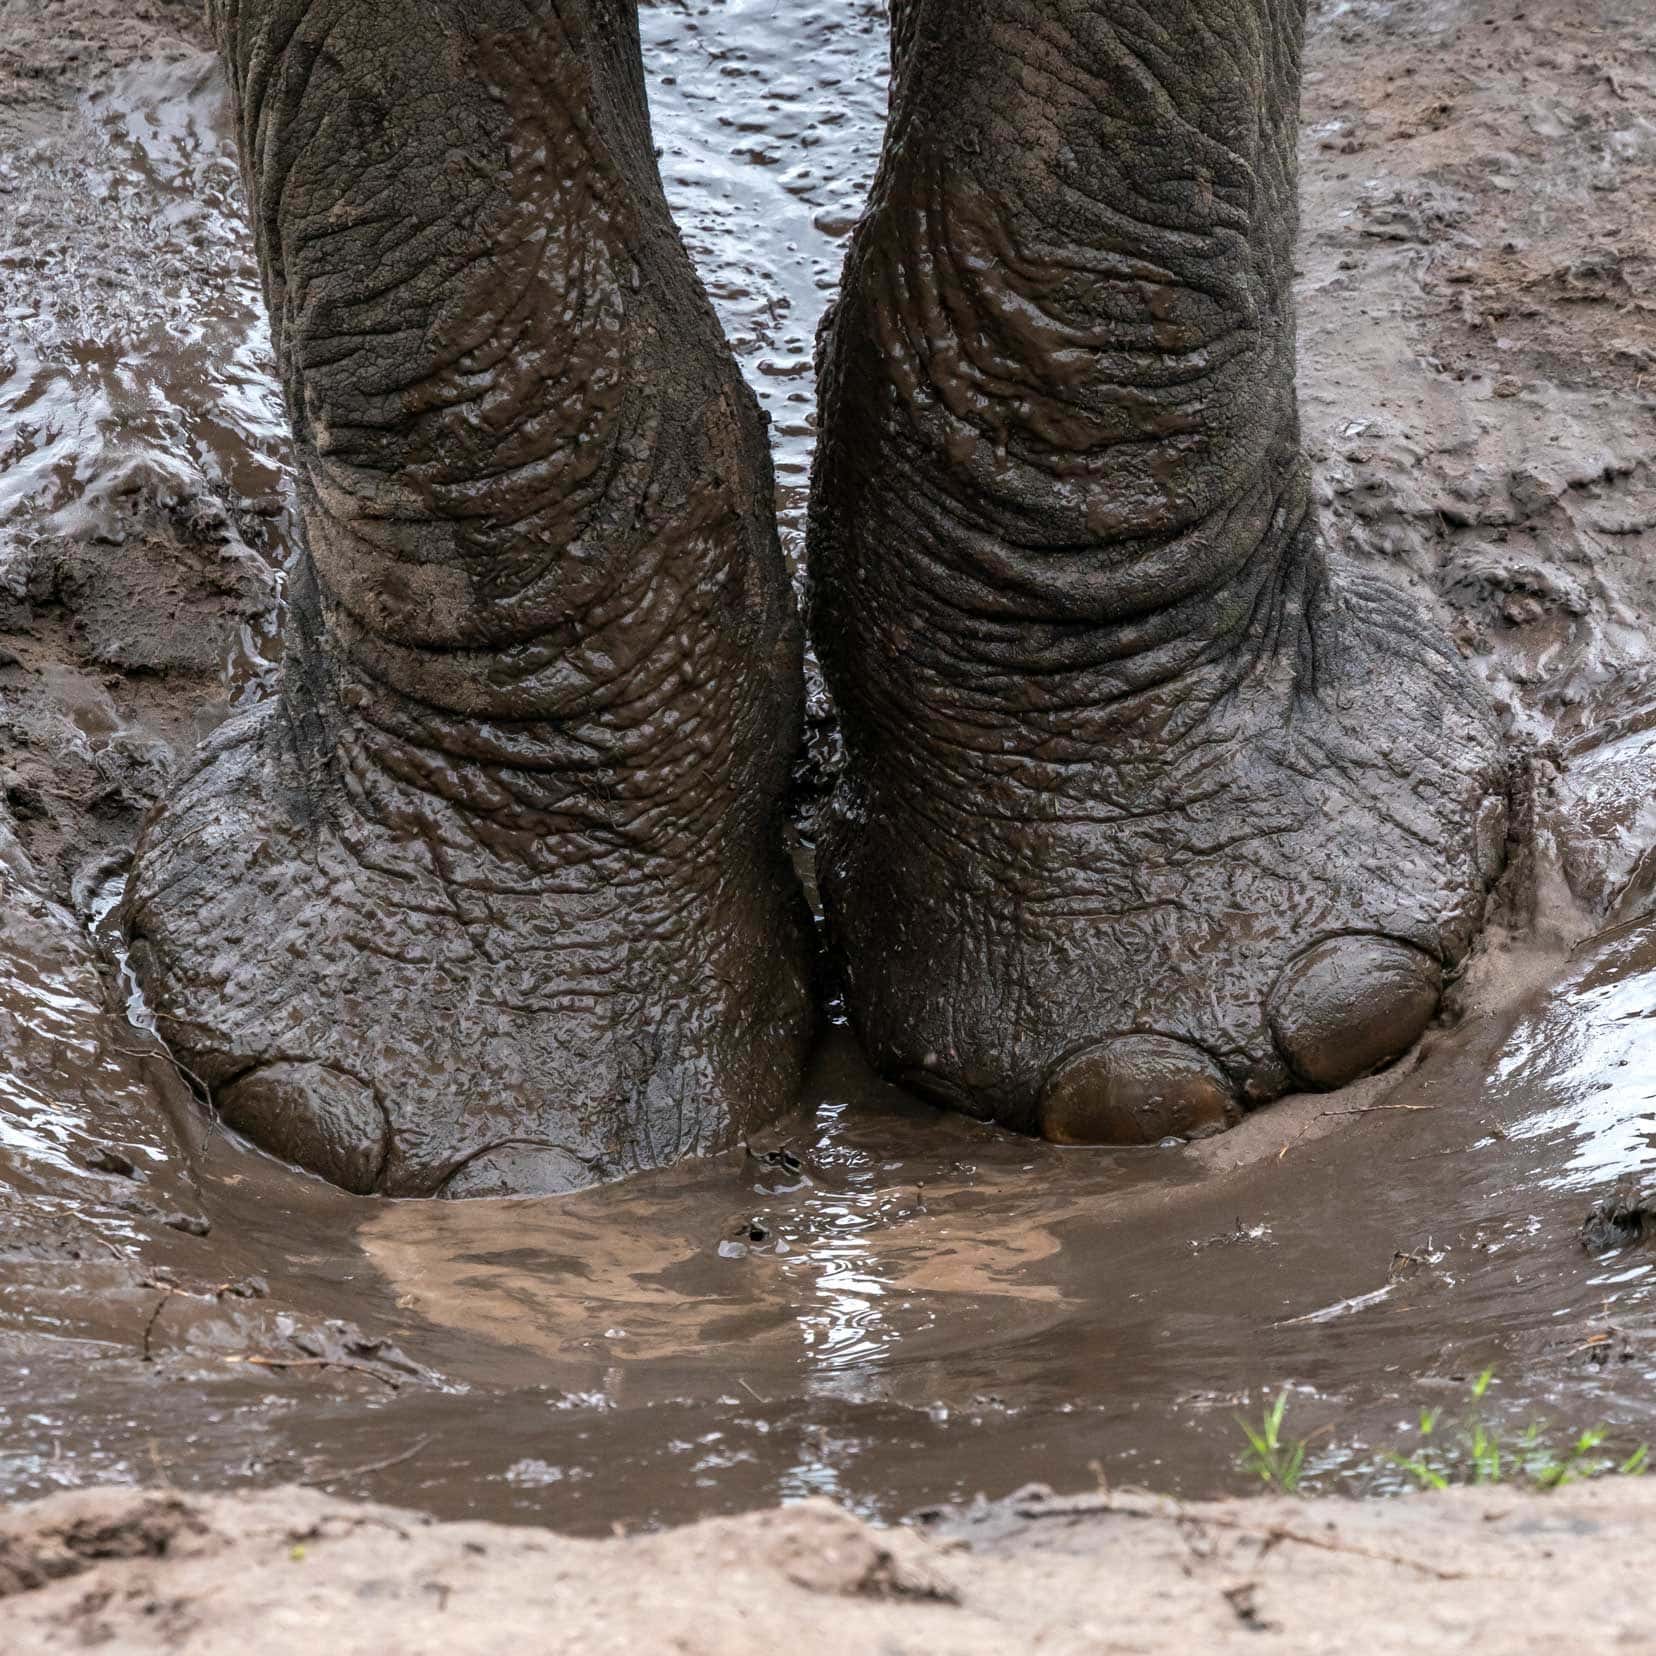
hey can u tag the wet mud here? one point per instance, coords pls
(144, 502)
(879, 1301)
(883, 1303)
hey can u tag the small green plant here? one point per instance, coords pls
(1557, 1470)
(1418, 1466)
(1483, 1445)
(1277, 1461)
(1475, 1452)
(1470, 1449)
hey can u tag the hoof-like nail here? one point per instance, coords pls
(312, 1115)
(1351, 1004)
(1136, 1089)
(519, 1170)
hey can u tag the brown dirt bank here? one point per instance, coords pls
(294, 1570)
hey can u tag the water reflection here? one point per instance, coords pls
(78, 1086)
(1594, 1061)
(768, 121)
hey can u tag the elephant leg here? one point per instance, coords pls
(492, 896)
(1150, 811)
(901, 15)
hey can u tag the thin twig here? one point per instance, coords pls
(1288, 1144)
(318, 1362)
(1355, 1110)
(185, 1074)
(167, 1056)
(154, 1317)
(1369, 1109)
(102, 1241)
(1088, 1506)
(1613, 930)
(373, 1466)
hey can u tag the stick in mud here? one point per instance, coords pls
(372, 1466)
(167, 1292)
(1174, 1512)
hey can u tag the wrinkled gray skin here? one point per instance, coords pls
(1147, 812)
(493, 896)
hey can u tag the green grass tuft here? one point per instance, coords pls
(1278, 1461)
(1471, 1449)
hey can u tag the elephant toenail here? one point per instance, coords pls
(1349, 1005)
(1136, 1089)
(313, 1115)
(519, 1170)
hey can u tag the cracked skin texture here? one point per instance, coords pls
(493, 895)
(1150, 812)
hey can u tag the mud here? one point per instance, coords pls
(885, 1304)
(144, 501)
(899, 1308)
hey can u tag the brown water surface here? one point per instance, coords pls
(883, 1303)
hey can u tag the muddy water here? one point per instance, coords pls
(926, 1308)
(888, 1304)
(768, 118)
(135, 364)
(882, 1303)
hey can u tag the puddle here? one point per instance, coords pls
(68, 1070)
(1599, 1064)
(880, 1302)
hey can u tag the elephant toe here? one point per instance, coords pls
(313, 1115)
(1350, 1005)
(1136, 1089)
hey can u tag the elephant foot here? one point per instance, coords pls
(1256, 879)
(492, 896)
(372, 990)
(1148, 814)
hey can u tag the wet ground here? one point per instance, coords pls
(881, 1303)
(885, 1304)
